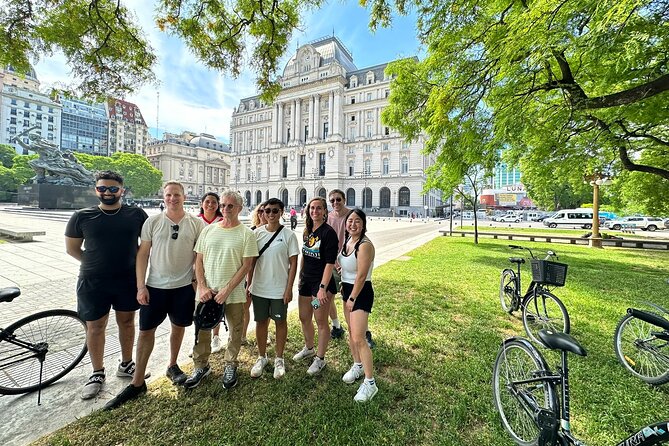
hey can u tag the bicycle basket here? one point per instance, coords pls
(549, 273)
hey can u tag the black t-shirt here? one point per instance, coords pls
(110, 240)
(319, 249)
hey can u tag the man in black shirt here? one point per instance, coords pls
(110, 233)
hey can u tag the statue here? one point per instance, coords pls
(54, 166)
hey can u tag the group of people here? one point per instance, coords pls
(182, 259)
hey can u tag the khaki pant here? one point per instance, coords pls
(234, 315)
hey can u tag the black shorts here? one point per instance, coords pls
(177, 303)
(365, 299)
(97, 295)
(310, 288)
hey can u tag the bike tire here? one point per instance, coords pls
(544, 310)
(508, 290)
(642, 354)
(518, 360)
(64, 333)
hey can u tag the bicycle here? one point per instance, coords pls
(641, 343)
(526, 394)
(39, 349)
(540, 308)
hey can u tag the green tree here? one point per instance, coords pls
(140, 177)
(8, 183)
(22, 170)
(94, 162)
(7, 154)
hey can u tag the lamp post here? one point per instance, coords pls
(595, 181)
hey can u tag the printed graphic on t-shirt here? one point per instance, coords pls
(313, 247)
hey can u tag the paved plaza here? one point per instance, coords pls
(47, 277)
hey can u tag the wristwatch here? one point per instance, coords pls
(321, 286)
(351, 299)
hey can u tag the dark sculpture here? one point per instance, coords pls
(54, 166)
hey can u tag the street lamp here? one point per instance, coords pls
(595, 181)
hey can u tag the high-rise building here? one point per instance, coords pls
(24, 107)
(84, 126)
(127, 130)
(324, 132)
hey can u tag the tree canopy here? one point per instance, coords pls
(7, 154)
(139, 176)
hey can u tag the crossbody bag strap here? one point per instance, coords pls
(270, 240)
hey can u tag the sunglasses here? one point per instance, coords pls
(175, 233)
(332, 200)
(103, 189)
(272, 210)
(228, 206)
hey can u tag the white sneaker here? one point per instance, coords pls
(259, 366)
(316, 367)
(304, 354)
(279, 368)
(216, 344)
(353, 374)
(365, 392)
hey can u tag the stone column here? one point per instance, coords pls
(378, 121)
(331, 120)
(311, 119)
(361, 127)
(317, 117)
(298, 119)
(275, 123)
(279, 129)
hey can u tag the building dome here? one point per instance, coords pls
(318, 54)
(30, 74)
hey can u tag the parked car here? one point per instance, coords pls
(643, 223)
(666, 223)
(509, 218)
(570, 217)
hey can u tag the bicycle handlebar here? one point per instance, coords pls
(549, 253)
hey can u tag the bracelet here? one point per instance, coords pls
(351, 299)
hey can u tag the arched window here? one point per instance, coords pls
(258, 197)
(405, 165)
(350, 197)
(386, 166)
(284, 197)
(366, 198)
(322, 193)
(404, 197)
(248, 197)
(384, 198)
(302, 197)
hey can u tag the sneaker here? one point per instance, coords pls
(245, 342)
(176, 375)
(337, 333)
(279, 368)
(259, 366)
(128, 370)
(370, 341)
(216, 344)
(365, 392)
(129, 393)
(304, 354)
(93, 386)
(230, 376)
(316, 367)
(354, 373)
(198, 375)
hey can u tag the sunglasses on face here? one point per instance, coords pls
(228, 206)
(272, 210)
(103, 189)
(175, 232)
(332, 200)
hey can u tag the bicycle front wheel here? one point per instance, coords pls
(508, 290)
(640, 352)
(544, 310)
(63, 334)
(515, 400)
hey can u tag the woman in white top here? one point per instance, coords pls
(357, 261)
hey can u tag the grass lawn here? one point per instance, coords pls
(539, 229)
(438, 324)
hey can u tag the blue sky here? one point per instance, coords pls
(201, 100)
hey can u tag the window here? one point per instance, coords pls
(303, 165)
(368, 148)
(288, 134)
(352, 99)
(386, 166)
(384, 198)
(369, 115)
(321, 164)
(387, 93)
(404, 165)
(284, 167)
(369, 96)
(351, 170)
(386, 131)
(325, 129)
(404, 196)
(306, 132)
(13, 102)
(352, 118)
(12, 121)
(350, 197)
(385, 146)
(368, 167)
(353, 132)
(369, 131)
(12, 112)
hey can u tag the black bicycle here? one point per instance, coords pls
(39, 349)
(541, 309)
(641, 343)
(527, 395)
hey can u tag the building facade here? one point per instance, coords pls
(24, 107)
(84, 127)
(200, 163)
(324, 132)
(127, 130)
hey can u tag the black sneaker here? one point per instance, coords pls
(230, 377)
(129, 393)
(197, 376)
(337, 333)
(370, 341)
(176, 375)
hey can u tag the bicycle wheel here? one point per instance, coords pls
(642, 354)
(544, 310)
(65, 337)
(518, 360)
(508, 289)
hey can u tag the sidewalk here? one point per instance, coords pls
(47, 278)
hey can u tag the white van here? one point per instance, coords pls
(570, 217)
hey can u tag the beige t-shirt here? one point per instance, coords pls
(339, 225)
(171, 261)
(223, 251)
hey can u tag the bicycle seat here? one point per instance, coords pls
(517, 260)
(8, 294)
(561, 341)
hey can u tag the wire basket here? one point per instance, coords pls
(549, 273)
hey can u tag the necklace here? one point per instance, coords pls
(113, 213)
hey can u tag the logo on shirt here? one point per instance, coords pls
(313, 247)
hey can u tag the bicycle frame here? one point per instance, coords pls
(38, 350)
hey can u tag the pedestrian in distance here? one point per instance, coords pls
(270, 284)
(110, 233)
(224, 255)
(168, 240)
(357, 262)
(316, 285)
(293, 219)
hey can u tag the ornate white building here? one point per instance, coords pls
(324, 132)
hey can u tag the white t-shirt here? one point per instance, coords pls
(271, 272)
(171, 261)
